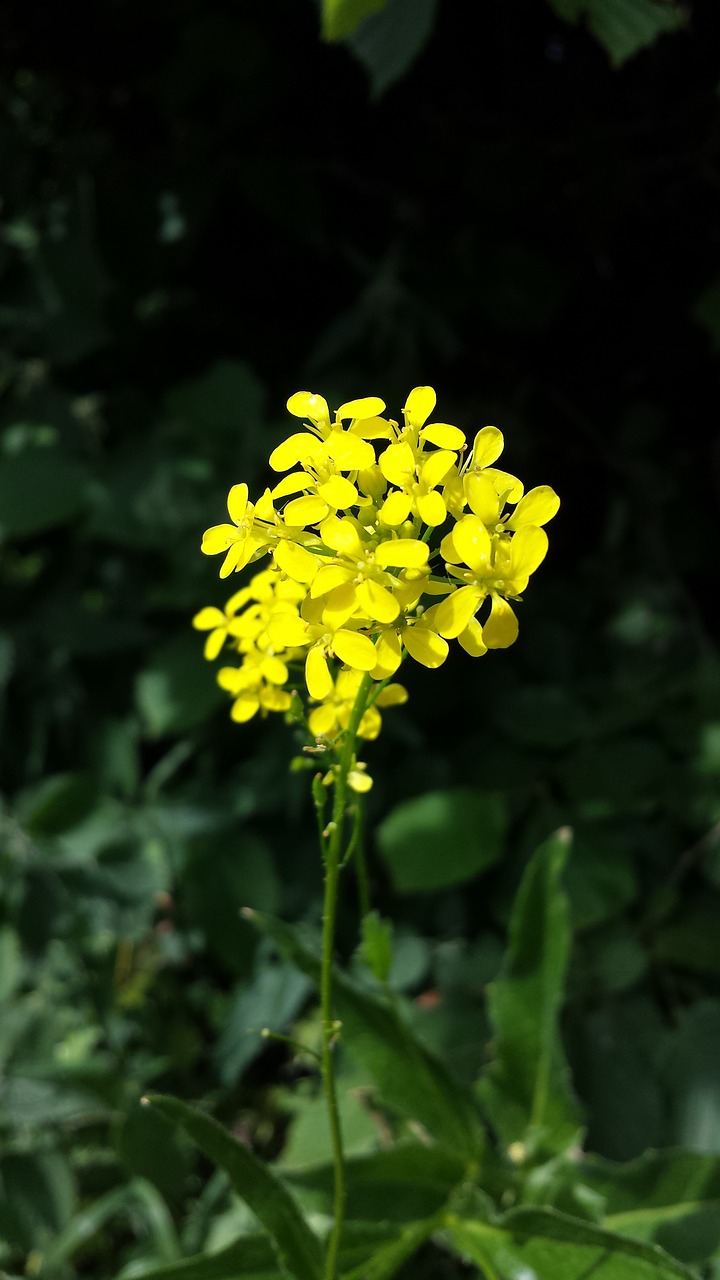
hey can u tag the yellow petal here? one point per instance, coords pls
(388, 654)
(237, 556)
(425, 646)
(322, 721)
(310, 509)
(264, 509)
(218, 539)
(371, 481)
(472, 540)
(393, 695)
(302, 447)
(349, 452)
(337, 492)
(443, 435)
(274, 699)
(340, 605)
(287, 631)
(359, 781)
(214, 643)
(294, 483)
(397, 464)
(537, 507)
(245, 707)
(448, 550)
(395, 508)
(295, 561)
(402, 553)
(341, 535)
(329, 577)
(419, 405)
(472, 640)
(527, 550)
(237, 502)
(367, 407)
(229, 679)
(501, 628)
(274, 669)
(487, 447)
(482, 497)
(317, 674)
(241, 597)
(378, 603)
(431, 508)
(436, 467)
(304, 404)
(372, 429)
(453, 614)
(369, 727)
(508, 487)
(208, 618)
(356, 650)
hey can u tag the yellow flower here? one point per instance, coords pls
(221, 623)
(332, 715)
(249, 534)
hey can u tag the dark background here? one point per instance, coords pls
(204, 209)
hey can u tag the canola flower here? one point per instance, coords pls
(381, 539)
(384, 539)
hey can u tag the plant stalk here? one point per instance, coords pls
(332, 849)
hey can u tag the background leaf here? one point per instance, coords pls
(298, 1248)
(442, 838)
(527, 1091)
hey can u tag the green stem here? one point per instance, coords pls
(332, 849)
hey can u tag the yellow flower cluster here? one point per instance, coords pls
(385, 538)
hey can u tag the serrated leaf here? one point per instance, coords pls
(298, 1249)
(550, 1246)
(526, 1090)
(409, 1077)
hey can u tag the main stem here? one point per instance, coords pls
(332, 854)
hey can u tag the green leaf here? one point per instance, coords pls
(341, 17)
(38, 1198)
(550, 1246)
(271, 1000)
(137, 1197)
(623, 27)
(377, 948)
(409, 1182)
(387, 43)
(409, 1077)
(176, 690)
(40, 488)
(527, 1091)
(298, 1249)
(388, 1259)
(251, 1257)
(670, 1198)
(441, 838)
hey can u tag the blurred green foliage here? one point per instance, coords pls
(210, 211)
